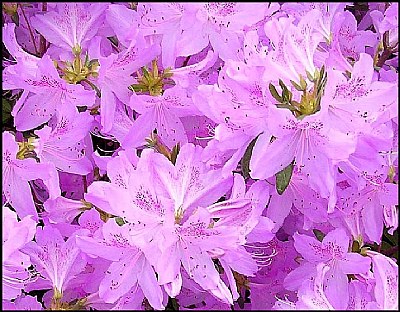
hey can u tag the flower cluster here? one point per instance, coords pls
(200, 156)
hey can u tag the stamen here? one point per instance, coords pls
(204, 138)
(260, 256)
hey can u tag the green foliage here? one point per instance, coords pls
(151, 81)
(6, 110)
(310, 99)
(319, 234)
(120, 221)
(283, 178)
(245, 161)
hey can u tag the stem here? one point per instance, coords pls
(42, 39)
(29, 28)
(387, 51)
(385, 55)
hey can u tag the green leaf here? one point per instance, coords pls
(286, 94)
(319, 234)
(385, 246)
(82, 109)
(120, 221)
(174, 153)
(114, 40)
(289, 107)
(138, 88)
(355, 247)
(282, 84)
(167, 73)
(316, 74)
(15, 18)
(274, 93)
(290, 95)
(155, 68)
(296, 86)
(322, 71)
(393, 239)
(6, 105)
(146, 73)
(6, 108)
(86, 62)
(283, 178)
(309, 76)
(92, 62)
(245, 162)
(172, 304)
(303, 83)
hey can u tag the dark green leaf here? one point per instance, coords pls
(318, 234)
(322, 71)
(316, 74)
(86, 59)
(296, 86)
(82, 109)
(309, 76)
(274, 93)
(15, 18)
(303, 83)
(290, 95)
(92, 62)
(385, 246)
(283, 178)
(6, 105)
(114, 40)
(174, 153)
(286, 94)
(282, 84)
(146, 73)
(290, 107)
(355, 247)
(6, 108)
(245, 162)
(172, 304)
(119, 221)
(393, 239)
(138, 88)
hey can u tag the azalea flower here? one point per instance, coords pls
(333, 252)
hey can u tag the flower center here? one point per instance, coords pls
(78, 70)
(151, 81)
(310, 100)
(27, 148)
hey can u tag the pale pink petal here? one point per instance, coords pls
(36, 110)
(355, 263)
(387, 281)
(97, 248)
(310, 248)
(108, 105)
(142, 128)
(120, 277)
(337, 289)
(269, 158)
(338, 241)
(148, 283)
